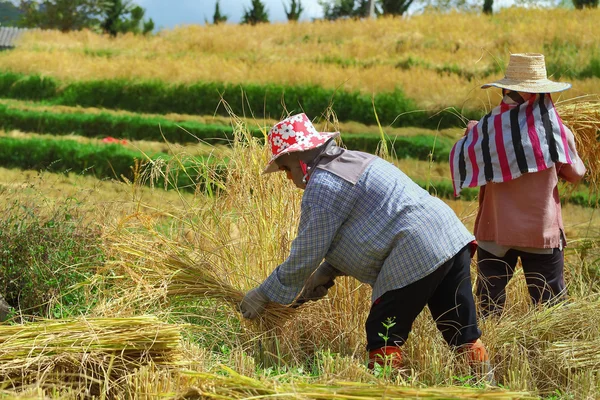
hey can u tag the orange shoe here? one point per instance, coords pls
(387, 355)
(475, 351)
(479, 360)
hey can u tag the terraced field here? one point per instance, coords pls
(133, 202)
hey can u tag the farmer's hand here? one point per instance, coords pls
(253, 303)
(318, 283)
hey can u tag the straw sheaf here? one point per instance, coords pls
(185, 277)
(583, 118)
(85, 349)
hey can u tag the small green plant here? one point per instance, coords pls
(468, 381)
(558, 395)
(384, 369)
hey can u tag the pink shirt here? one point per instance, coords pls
(526, 212)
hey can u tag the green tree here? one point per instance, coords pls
(122, 16)
(293, 13)
(394, 7)
(361, 9)
(334, 9)
(64, 15)
(256, 14)
(487, 6)
(9, 14)
(581, 4)
(111, 16)
(218, 18)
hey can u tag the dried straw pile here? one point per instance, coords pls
(84, 352)
(583, 118)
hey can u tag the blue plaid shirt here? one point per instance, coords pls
(385, 231)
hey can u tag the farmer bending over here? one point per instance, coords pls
(363, 217)
(516, 154)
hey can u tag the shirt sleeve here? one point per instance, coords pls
(575, 171)
(316, 231)
(331, 270)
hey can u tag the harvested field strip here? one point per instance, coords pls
(104, 124)
(159, 129)
(225, 121)
(144, 146)
(262, 101)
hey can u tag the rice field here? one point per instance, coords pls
(187, 259)
(370, 56)
(129, 291)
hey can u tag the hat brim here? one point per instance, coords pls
(538, 86)
(272, 165)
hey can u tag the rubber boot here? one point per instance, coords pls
(479, 360)
(384, 356)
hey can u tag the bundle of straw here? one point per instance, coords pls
(583, 118)
(186, 277)
(85, 350)
(236, 386)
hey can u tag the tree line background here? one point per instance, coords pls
(122, 16)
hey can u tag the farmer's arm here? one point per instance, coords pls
(575, 171)
(316, 231)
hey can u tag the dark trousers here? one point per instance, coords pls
(543, 274)
(448, 293)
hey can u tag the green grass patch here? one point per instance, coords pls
(444, 189)
(98, 125)
(111, 161)
(134, 127)
(45, 257)
(204, 98)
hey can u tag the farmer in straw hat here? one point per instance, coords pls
(362, 217)
(516, 154)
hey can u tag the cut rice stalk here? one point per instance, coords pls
(85, 350)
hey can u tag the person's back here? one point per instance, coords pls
(393, 231)
(523, 212)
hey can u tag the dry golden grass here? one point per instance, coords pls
(354, 55)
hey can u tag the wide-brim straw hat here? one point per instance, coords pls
(526, 72)
(294, 134)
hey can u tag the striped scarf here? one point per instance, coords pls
(517, 137)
